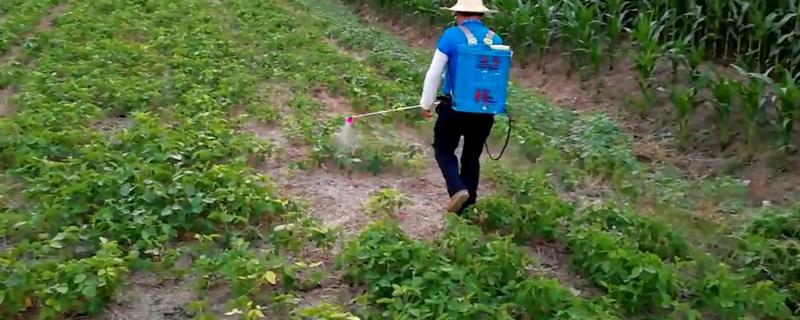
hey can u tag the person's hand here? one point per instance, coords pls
(426, 114)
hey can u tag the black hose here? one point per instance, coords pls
(508, 137)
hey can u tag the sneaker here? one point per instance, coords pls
(457, 201)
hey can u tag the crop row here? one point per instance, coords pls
(19, 17)
(635, 259)
(768, 248)
(121, 145)
(756, 33)
(462, 275)
(683, 35)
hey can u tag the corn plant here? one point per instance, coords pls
(684, 100)
(544, 15)
(580, 25)
(736, 15)
(789, 98)
(776, 22)
(716, 16)
(753, 96)
(757, 19)
(723, 90)
(647, 33)
(615, 17)
(520, 24)
(676, 52)
(682, 48)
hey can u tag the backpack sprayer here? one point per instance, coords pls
(481, 84)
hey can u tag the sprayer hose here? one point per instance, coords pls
(508, 137)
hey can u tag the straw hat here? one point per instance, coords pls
(470, 6)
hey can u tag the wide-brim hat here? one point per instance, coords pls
(470, 6)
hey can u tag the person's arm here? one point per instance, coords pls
(433, 79)
(444, 48)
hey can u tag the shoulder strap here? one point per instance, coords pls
(489, 38)
(470, 37)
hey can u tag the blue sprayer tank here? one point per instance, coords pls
(481, 83)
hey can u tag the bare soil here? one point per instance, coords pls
(655, 131)
(552, 261)
(337, 199)
(5, 102)
(111, 126)
(147, 297)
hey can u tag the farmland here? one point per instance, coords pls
(187, 159)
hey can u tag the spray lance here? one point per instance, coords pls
(352, 119)
(349, 121)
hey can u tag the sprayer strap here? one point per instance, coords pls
(470, 37)
(489, 39)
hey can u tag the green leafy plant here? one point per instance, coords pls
(325, 312)
(753, 93)
(386, 201)
(724, 91)
(789, 98)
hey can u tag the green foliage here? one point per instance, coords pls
(59, 286)
(723, 90)
(768, 248)
(97, 204)
(386, 201)
(323, 312)
(640, 279)
(731, 295)
(647, 235)
(535, 211)
(460, 276)
(20, 17)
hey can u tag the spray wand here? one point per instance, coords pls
(351, 119)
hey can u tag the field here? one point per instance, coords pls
(188, 159)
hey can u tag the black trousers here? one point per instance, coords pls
(450, 126)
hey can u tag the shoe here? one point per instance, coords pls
(457, 201)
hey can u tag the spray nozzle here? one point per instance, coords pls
(349, 120)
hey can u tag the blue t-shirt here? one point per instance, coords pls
(452, 38)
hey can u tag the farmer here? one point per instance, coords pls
(451, 125)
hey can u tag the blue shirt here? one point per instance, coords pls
(452, 38)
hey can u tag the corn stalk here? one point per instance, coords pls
(580, 25)
(616, 13)
(753, 96)
(544, 18)
(685, 100)
(647, 33)
(789, 98)
(723, 90)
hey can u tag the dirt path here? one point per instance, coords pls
(5, 102)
